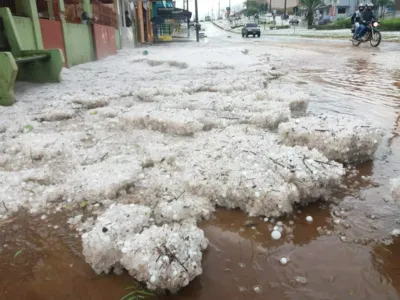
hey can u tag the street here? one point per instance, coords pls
(185, 135)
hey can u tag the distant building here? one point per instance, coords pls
(281, 3)
(338, 9)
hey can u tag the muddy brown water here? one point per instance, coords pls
(351, 260)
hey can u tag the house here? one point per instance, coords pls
(338, 9)
(85, 30)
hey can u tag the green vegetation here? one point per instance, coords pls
(136, 293)
(18, 253)
(385, 25)
(27, 128)
(339, 24)
(390, 25)
(280, 27)
(254, 6)
(311, 6)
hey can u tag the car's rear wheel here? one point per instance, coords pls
(247, 35)
(258, 35)
(254, 35)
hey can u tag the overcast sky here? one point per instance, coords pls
(205, 6)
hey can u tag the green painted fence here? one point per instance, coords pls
(25, 31)
(78, 44)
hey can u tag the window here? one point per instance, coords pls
(251, 25)
(341, 11)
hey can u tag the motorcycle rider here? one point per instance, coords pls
(367, 17)
(356, 19)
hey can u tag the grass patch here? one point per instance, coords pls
(339, 24)
(385, 25)
(390, 25)
(136, 293)
(280, 27)
(18, 253)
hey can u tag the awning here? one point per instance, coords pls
(173, 13)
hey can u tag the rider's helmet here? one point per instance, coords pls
(361, 6)
(370, 6)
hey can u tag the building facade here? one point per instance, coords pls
(85, 30)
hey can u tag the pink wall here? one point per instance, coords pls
(52, 35)
(104, 37)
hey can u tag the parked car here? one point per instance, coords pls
(325, 20)
(285, 16)
(294, 21)
(251, 29)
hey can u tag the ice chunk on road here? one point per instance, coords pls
(341, 138)
(245, 167)
(166, 257)
(187, 206)
(163, 190)
(298, 100)
(101, 180)
(101, 246)
(298, 104)
(395, 188)
(180, 122)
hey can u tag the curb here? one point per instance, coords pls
(220, 27)
(396, 40)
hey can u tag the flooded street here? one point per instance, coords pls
(345, 253)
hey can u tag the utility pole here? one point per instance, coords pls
(188, 20)
(219, 9)
(197, 26)
(284, 11)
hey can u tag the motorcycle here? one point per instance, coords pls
(372, 35)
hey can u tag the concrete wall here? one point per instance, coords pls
(52, 35)
(78, 44)
(25, 31)
(118, 39)
(105, 41)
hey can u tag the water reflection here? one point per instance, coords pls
(242, 255)
(386, 260)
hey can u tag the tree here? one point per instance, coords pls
(382, 4)
(264, 7)
(254, 6)
(311, 6)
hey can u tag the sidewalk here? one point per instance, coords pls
(301, 31)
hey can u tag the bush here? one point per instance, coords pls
(390, 25)
(385, 25)
(339, 24)
(346, 23)
(280, 27)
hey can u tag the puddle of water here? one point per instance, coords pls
(39, 262)
(241, 256)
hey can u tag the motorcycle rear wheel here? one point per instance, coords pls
(375, 39)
